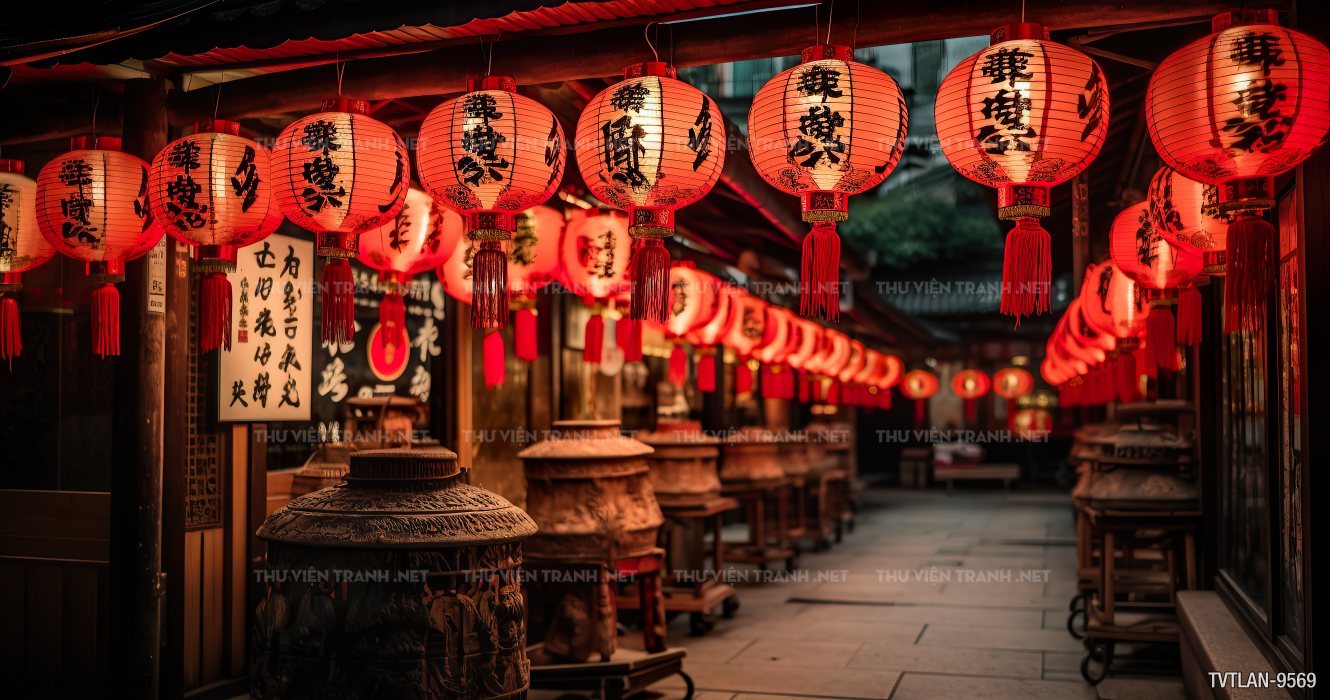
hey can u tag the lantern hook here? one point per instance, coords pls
(646, 34)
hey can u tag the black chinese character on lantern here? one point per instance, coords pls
(819, 81)
(8, 246)
(1257, 49)
(699, 136)
(1007, 65)
(1147, 252)
(818, 137)
(245, 180)
(1010, 131)
(1166, 212)
(398, 169)
(630, 97)
(623, 151)
(482, 162)
(77, 206)
(1090, 104)
(321, 173)
(554, 150)
(182, 192)
(1260, 125)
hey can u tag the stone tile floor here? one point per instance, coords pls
(930, 597)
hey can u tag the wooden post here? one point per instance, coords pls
(137, 439)
(1080, 229)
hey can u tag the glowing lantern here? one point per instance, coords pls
(22, 248)
(420, 238)
(92, 205)
(705, 337)
(823, 130)
(1011, 383)
(893, 369)
(810, 337)
(1236, 109)
(854, 364)
(212, 191)
(594, 261)
(829, 363)
(650, 145)
(533, 263)
(338, 174)
(455, 275)
(1031, 423)
(1186, 213)
(862, 380)
(919, 385)
(745, 333)
(489, 155)
(693, 302)
(1023, 115)
(1082, 332)
(970, 384)
(1155, 265)
(1112, 305)
(777, 380)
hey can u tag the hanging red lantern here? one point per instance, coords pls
(1011, 383)
(594, 265)
(862, 379)
(745, 333)
(1159, 268)
(705, 337)
(22, 248)
(970, 384)
(1031, 423)
(533, 263)
(1236, 109)
(776, 378)
(1186, 213)
(338, 174)
(853, 365)
(693, 303)
(1112, 305)
(92, 205)
(892, 370)
(455, 274)
(489, 155)
(650, 144)
(212, 190)
(421, 237)
(824, 130)
(1023, 115)
(810, 338)
(828, 364)
(919, 385)
(1081, 330)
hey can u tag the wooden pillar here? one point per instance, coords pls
(137, 439)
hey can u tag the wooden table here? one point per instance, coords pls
(976, 472)
(762, 547)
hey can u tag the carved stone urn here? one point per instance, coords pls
(751, 455)
(683, 468)
(401, 582)
(588, 488)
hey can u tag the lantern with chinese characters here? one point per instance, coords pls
(1112, 305)
(1083, 332)
(212, 190)
(823, 130)
(649, 145)
(533, 263)
(338, 174)
(22, 248)
(1186, 213)
(693, 302)
(1023, 115)
(92, 205)
(489, 155)
(1160, 269)
(1011, 383)
(1235, 109)
(919, 385)
(594, 263)
(969, 385)
(455, 275)
(776, 380)
(705, 337)
(745, 334)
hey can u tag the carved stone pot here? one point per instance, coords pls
(401, 582)
(588, 488)
(751, 455)
(683, 468)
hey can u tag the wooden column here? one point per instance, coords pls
(138, 426)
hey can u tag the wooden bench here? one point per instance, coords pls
(976, 472)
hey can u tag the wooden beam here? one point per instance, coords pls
(598, 53)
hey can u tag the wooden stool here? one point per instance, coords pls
(764, 545)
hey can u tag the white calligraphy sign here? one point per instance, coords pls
(266, 375)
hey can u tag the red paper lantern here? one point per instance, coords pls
(1081, 330)
(1186, 213)
(533, 263)
(421, 237)
(1031, 423)
(22, 248)
(212, 190)
(1112, 304)
(828, 364)
(650, 144)
(1159, 268)
(338, 174)
(745, 334)
(692, 303)
(780, 338)
(488, 155)
(594, 263)
(823, 130)
(1235, 109)
(970, 384)
(705, 337)
(854, 364)
(1012, 383)
(92, 205)
(919, 385)
(810, 338)
(1023, 115)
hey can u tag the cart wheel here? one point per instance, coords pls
(1078, 609)
(1099, 654)
(729, 606)
(688, 685)
(699, 624)
(1074, 605)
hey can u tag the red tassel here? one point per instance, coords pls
(678, 365)
(106, 320)
(493, 357)
(628, 335)
(1189, 317)
(524, 335)
(392, 314)
(11, 330)
(819, 274)
(489, 286)
(743, 378)
(650, 267)
(833, 392)
(337, 290)
(214, 312)
(971, 410)
(767, 384)
(593, 343)
(884, 399)
(1126, 379)
(1159, 339)
(920, 411)
(706, 371)
(1027, 270)
(1145, 364)
(1251, 265)
(804, 386)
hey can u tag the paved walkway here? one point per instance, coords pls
(931, 597)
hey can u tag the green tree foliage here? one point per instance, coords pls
(917, 224)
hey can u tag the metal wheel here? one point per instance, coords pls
(1098, 654)
(687, 684)
(1079, 608)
